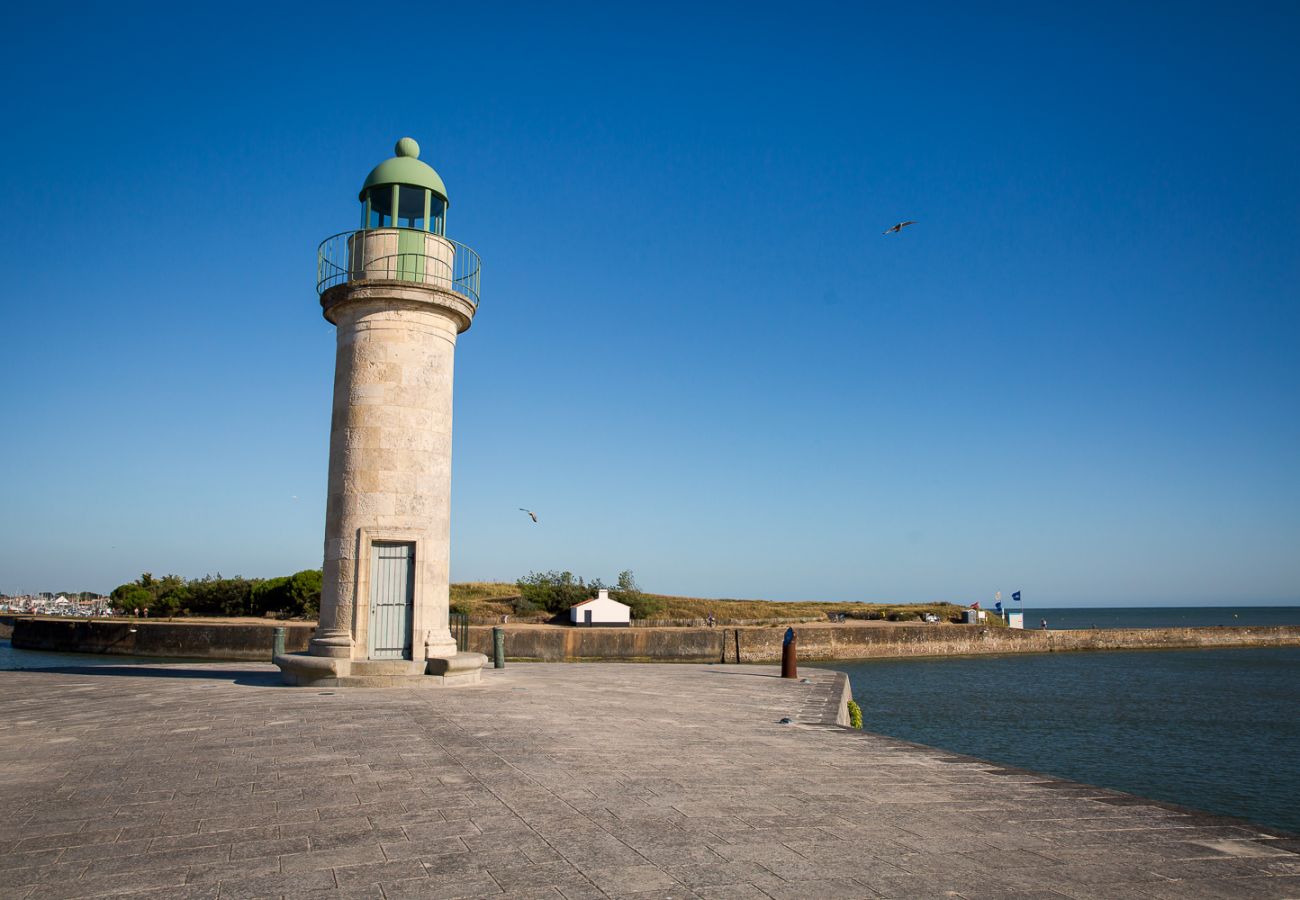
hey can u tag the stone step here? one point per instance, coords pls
(369, 667)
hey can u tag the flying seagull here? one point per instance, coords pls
(899, 227)
(530, 513)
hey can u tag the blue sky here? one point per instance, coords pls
(696, 355)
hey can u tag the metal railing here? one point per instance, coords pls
(385, 254)
(459, 623)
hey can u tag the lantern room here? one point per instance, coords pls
(404, 192)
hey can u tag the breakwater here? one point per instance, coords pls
(850, 641)
(758, 644)
(194, 640)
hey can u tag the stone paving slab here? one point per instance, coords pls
(555, 781)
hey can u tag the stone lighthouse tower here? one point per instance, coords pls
(399, 293)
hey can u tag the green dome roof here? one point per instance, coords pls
(405, 168)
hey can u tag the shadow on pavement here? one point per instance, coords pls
(235, 676)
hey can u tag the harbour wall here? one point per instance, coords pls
(253, 641)
(191, 640)
(763, 645)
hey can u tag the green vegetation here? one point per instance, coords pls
(694, 608)
(297, 595)
(855, 715)
(553, 591)
(536, 597)
(294, 596)
(539, 595)
(644, 606)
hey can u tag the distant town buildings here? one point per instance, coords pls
(50, 604)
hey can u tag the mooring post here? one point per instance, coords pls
(498, 647)
(277, 642)
(789, 660)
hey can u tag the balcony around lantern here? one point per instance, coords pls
(398, 254)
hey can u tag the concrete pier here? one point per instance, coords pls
(559, 781)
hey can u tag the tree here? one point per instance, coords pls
(554, 591)
(289, 596)
(130, 597)
(643, 607)
(213, 595)
(304, 590)
(170, 595)
(171, 601)
(296, 595)
(167, 584)
(271, 595)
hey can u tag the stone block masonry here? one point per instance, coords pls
(216, 640)
(193, 640)
(555, 781)
(853, 641)
(390, 459)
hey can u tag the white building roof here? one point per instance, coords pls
(603, 595)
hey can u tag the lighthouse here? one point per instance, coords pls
(399, 293)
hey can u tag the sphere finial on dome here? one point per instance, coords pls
(407, 147)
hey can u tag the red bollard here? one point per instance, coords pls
(789, 658)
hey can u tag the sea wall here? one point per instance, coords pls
(249, 641)
(853, 641)
(233, 641)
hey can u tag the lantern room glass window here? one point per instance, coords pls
(412, 203)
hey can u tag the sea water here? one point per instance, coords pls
(1159, 616)
(1217, 730)
(13, 658)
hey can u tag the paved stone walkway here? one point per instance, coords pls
(556, 781)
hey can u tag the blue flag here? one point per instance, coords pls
(998, 606)
(1016, 596)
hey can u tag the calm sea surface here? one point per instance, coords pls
(1161, 616)
(11, 658)
(1214, 729)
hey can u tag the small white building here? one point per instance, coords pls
(602, 612)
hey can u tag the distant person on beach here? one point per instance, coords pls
(712, 621)
(1043, 625)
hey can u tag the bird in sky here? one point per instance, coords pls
(899, 227)
(531, 514)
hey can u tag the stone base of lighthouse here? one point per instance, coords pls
(384, 600)
(326, 671)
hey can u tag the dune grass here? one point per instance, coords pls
(495, 598)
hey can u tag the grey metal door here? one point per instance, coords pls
(392, 598)
(586, 616)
